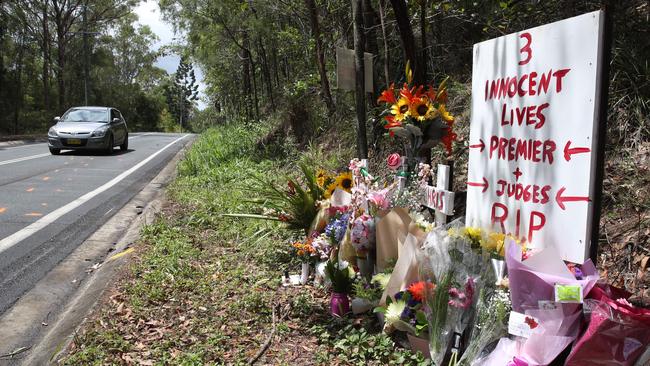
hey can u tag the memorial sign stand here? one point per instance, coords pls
(537, 132)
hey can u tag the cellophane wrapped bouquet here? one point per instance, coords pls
(458, 272)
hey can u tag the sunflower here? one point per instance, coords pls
(422, 109)
(330, 190)
(400, 109)
(344, 181)
(446, 116)
(321, 178)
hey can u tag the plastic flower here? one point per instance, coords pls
(418, 289)
(388, 95)
(400, 110)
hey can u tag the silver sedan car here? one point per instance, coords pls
(88, 128)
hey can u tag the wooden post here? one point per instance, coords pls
(601, 100)
(360, 93)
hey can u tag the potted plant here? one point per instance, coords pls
(341, 279)
(406, 313)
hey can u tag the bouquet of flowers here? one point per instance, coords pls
(458, 272)
(419, 116)
(362, 234)
(305, 250)
(406, 312)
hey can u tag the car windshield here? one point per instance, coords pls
(85, 115)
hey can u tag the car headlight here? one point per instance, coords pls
(52, 132)
(100, 132)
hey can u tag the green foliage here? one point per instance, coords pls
(340, 277)
(358, 346)
(182, 92)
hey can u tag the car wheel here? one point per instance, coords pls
(109, 148)
(54, 151)
(125, 143)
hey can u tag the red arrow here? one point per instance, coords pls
(561, 199)
(484, 184)
(481, 145)
(568, 151)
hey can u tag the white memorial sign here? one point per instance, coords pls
(439, 198)
(533, 133)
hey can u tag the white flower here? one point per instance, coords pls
(394, 311)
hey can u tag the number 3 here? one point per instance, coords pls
(526, 48)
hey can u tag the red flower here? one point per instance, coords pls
(388, 95)
(417, 289)
(412, 93)
(448, 138)
(392, 122)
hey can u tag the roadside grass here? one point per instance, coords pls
(205, 289)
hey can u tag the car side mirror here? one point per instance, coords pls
(115, 120)
(56, 120)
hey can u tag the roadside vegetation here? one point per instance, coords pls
(206, 289)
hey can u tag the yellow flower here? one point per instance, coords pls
(494, 243)
(321, 177)
(330, 190)
(400, 109)
(421, 109)
(446, 116)
(344, 181)
(473, 233)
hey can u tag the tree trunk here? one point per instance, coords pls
(382, 6)
(254, 78)
(18, 77)
(266, 73)
(46, 58)
(423, 38)
(276, 67)
(246, 80)
(60, 78)
(371, 46)
(320, 56)
(408, 40)
(360, 93)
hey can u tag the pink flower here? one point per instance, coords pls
(394, 161)
(379, 199)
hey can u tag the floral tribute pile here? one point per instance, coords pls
(461, 295)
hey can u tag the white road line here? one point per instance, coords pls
(26, 232)
(23, 159)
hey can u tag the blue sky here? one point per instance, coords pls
(149, 14)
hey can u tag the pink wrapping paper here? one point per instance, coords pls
(534, 279)
(618, 333)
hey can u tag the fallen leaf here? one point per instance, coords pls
(644, 262)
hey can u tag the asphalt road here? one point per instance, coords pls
(50, 204)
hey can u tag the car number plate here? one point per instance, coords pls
(74, 142)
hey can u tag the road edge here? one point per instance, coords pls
(52, 344)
